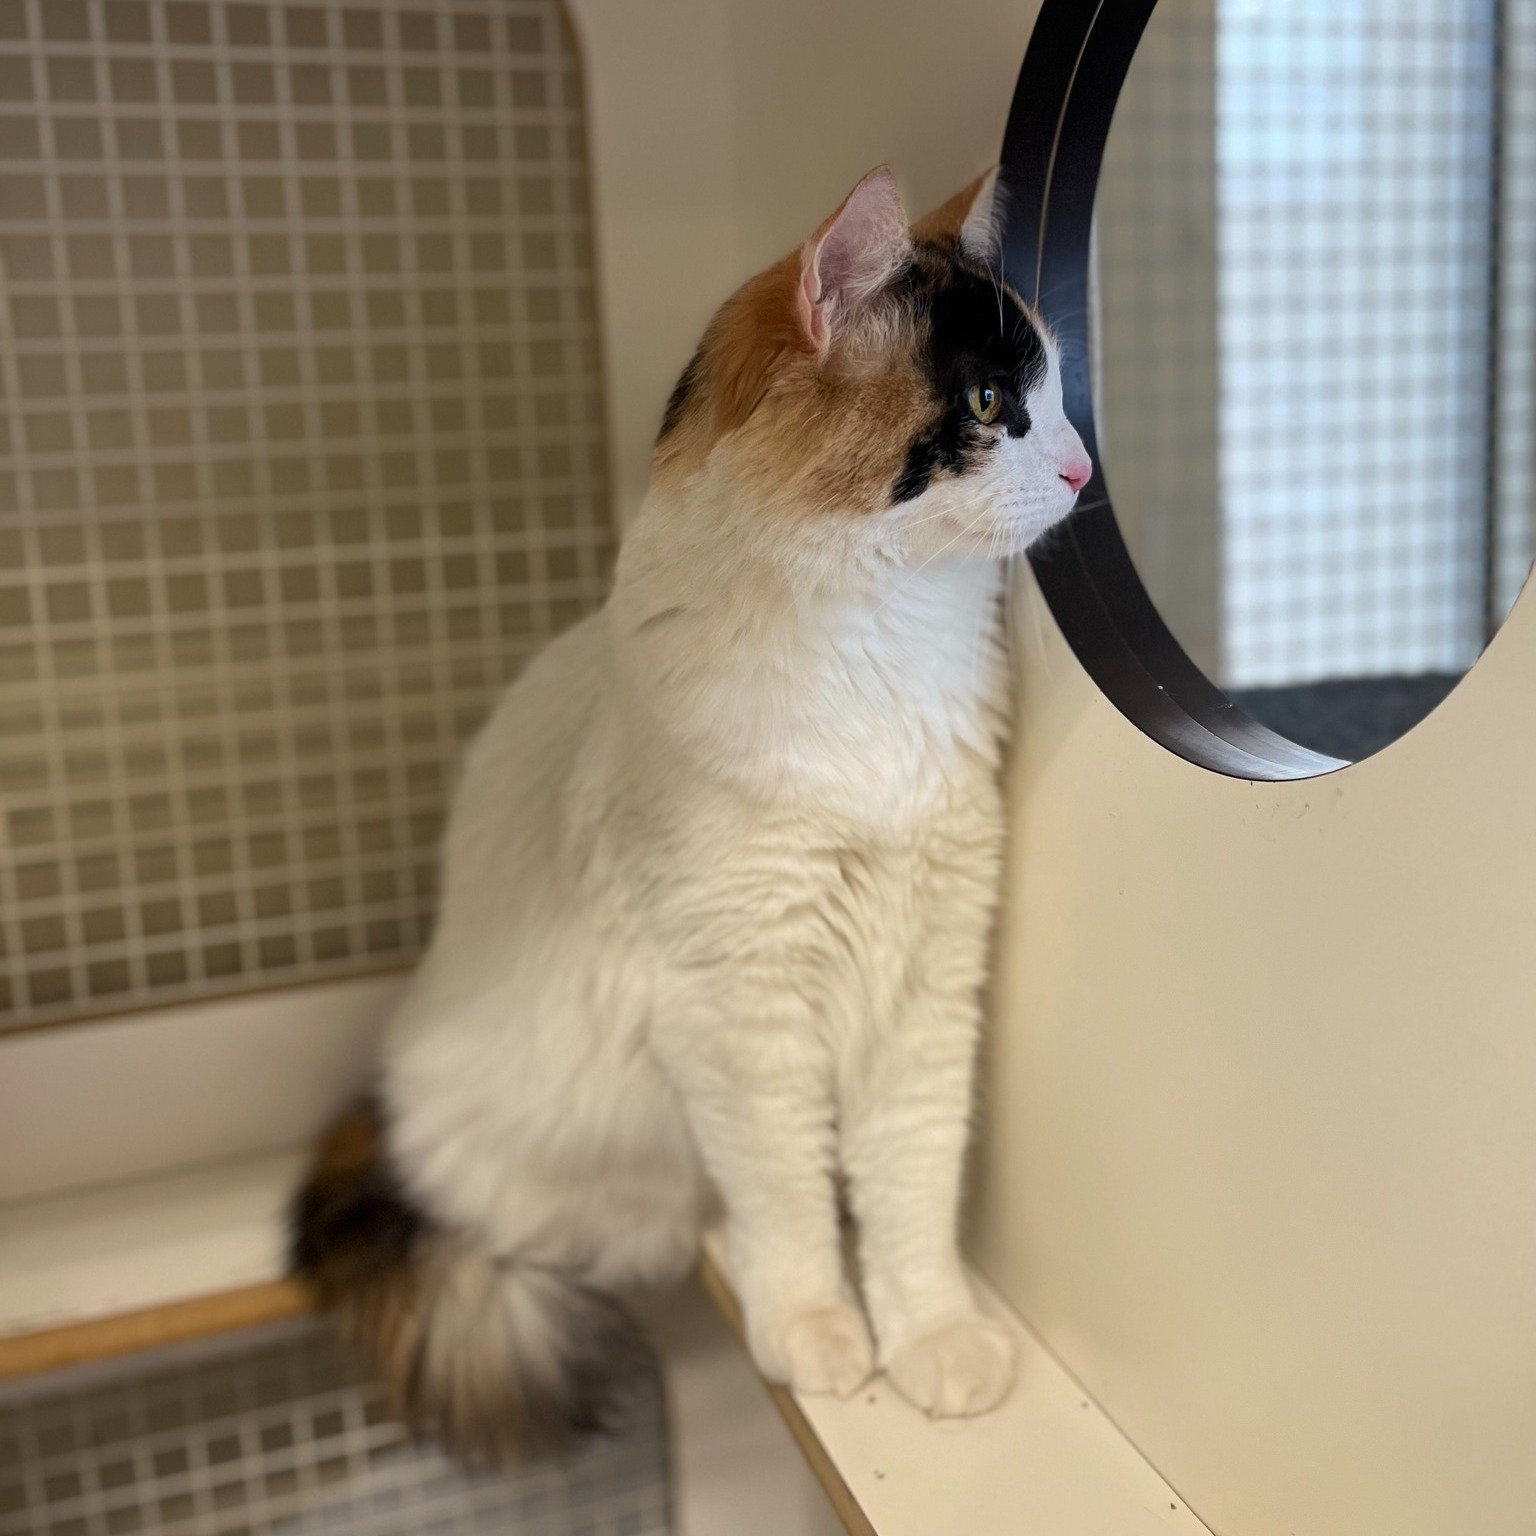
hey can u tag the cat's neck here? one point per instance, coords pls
(827, 593)
(820, 651)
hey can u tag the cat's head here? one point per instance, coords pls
(883, 380)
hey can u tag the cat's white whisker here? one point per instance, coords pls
(948, 545)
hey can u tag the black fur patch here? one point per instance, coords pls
(602, 1351)
(352, 1216)
(682, 392)
(973, 331)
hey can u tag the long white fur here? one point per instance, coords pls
(718, 884)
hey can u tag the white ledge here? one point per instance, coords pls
(84, 1257)
(1048, 1462)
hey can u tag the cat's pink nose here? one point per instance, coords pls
(1077, 471)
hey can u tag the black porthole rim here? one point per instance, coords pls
(1063, 105)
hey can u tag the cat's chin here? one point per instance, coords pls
(1000, 539)
(1034, 530)
(1009, 536)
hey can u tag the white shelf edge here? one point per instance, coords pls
(1047, 1462)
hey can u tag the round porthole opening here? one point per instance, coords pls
(1290, 251)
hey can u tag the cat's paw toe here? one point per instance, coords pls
(962, 1368)
(829, 1350)
(820, 1350)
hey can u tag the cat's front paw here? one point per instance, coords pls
(819, 1350)
(961, 1368)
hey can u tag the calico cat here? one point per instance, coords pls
(719, 877)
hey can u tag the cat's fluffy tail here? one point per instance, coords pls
(495, 1358)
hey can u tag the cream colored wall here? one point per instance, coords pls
(1261, 1148)
(723, 131)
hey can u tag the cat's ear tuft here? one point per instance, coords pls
(861, 247)
(972, 217)
(982, 233)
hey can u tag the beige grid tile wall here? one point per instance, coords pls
(301, 455)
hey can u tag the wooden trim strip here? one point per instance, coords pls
(844, 1504)
(27, 1354)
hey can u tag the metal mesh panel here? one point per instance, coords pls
(303, 454)
(277, 1434)
(1350, 197)
(1355, 216)
(1156, 373)
(1514, 512)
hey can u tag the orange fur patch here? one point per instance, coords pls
(819, 434)
(831, 433)
(946, 221)
(353, 1143)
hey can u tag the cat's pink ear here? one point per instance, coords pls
(858, 249)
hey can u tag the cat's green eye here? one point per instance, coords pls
(985, 401)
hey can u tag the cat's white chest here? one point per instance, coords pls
(903, 735)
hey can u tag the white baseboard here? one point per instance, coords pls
(148, 1243)
(152, 1093)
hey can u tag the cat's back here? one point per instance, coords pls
(521, 782)
(518, 931)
